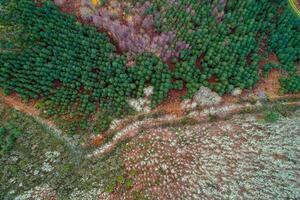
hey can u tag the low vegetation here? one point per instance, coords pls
(36, 157)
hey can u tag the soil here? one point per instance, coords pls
(29, 109)
(15, 101)
(270, 85)
(173, 103)
(170, 64)
(213, 79)
(199, 60)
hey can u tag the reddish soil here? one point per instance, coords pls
(57, 84)
(171, 65)
(229, 99)
(98, 140)
(262, 45)
(213, 79)
(262, 63)
(118, 48)
(271, 84)
(199, 60)
(172, 104)
(15, 101)
(273, 58)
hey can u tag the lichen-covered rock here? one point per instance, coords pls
(236, 92)
(39, 192)
(140, 105)
(148, 91)
(188, 104)
(206, 97)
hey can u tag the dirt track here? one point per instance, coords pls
(15, 102)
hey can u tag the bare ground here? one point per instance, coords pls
(236, 159)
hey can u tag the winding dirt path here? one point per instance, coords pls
(16, 103)
(132, 126)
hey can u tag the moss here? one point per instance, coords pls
(66, 169)
(120, 179)
(14, 170)
(271, 116)
(128, 183)
(111, 187)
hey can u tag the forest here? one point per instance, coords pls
(72, 68)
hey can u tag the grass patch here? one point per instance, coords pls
(271, 116)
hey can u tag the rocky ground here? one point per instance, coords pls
(236, 159)
(246, 157)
